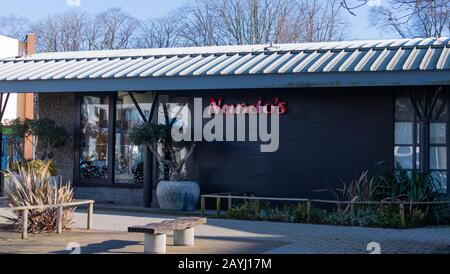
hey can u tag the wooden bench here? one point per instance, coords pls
(155, 233)
(60, 208)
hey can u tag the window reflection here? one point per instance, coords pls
(404, 110)
(177, 108)
(408, 130)
(438, 133)
(129, 158)
(404, 133)
(438, 158)
(94, 124)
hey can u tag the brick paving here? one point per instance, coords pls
(299, 238)
(293, 238)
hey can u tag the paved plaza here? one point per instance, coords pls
(232, 236)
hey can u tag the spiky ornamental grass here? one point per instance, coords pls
(30, 187)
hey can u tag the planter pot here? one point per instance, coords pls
(178, 196)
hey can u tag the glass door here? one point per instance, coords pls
(129, 158)
(178, 109)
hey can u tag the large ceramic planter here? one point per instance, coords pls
(178, 196)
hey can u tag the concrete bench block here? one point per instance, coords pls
(155, 244)
(184, 237)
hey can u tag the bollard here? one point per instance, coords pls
(218, 206)
(25, 224)
(308, 211)
(402, 214)
(90, 215)
(202, 206)
(59, 220)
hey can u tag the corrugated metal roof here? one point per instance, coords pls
(418, 54)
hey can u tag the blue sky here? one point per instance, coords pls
(360, 27)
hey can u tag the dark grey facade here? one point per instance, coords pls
(325, 136)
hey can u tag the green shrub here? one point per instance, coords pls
(253, 210)
(397, 186)
(247, 211)
(300, 213)
(50, 136)
(388, 216)
(416, 218)
(384, 216)
(319, 216)
(407, 186)
(39, 165)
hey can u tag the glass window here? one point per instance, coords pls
(408, 129)
(438, 133)
(406, 136)
(404, 111)
(94, 124)
(404, 133)
(438, 143)
(404, 156)
(129, 158)
(438, 158)
(440, 111)
(177, 108)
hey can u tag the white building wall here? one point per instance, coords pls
(9, 47)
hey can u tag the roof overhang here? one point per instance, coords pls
(230, 82)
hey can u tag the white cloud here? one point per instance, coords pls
(73, 3)
(374, 3)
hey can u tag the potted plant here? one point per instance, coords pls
(174, 192)
(48, 137)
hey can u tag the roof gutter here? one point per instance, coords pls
(231, 82)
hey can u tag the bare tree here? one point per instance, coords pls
(14, 26)
(76, 30)
(426, 18)
(318, 21)
(200, 25)
(197, 23)
(243, 22)
(116, 30)
(163, 32)
(61, 32)
(409, 18)
(254, 21)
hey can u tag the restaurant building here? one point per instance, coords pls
(348, 107)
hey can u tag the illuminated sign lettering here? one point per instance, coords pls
(217, 105)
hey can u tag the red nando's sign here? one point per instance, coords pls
(217, 105)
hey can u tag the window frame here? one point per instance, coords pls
(110, 181)
(416, 134)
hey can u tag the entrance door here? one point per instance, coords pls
(178, 109)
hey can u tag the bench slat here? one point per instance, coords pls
(168, 225)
